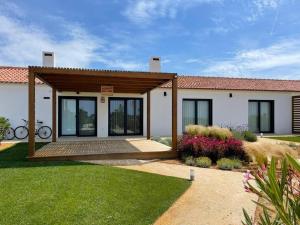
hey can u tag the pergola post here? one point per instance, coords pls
(31, 114)
(53, 115)
(174, 113)
(148, 114)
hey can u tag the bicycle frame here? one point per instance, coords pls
(38, 125)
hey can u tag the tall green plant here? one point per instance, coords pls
(4, 125)
(280, 191)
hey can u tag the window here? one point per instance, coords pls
(196, 111)
(261, 116)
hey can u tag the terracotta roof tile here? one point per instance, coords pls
(10, 74)
(226, 83)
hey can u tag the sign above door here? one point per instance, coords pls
(107, 90)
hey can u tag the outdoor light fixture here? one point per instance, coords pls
(192, 175)
(230, 95)
(261, 135)
(165, 93)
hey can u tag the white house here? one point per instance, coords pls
(262, 105)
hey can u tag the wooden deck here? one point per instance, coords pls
(104, 149)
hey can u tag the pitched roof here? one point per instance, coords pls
(227, 83)
(10, 74)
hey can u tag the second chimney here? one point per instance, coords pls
(48, 59)
(154, 64)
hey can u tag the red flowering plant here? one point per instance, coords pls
(211, 147)
(280, 191)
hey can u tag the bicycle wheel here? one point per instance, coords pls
(21, 132)
(9, 134)
(44, 132)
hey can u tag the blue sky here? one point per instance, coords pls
(238, 38)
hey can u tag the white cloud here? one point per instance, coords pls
(143, 12)
(260, 7)
(283, 57)
(262, 4)
(22, 43)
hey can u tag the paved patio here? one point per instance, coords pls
(91, 147)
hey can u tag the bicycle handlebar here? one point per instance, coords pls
(38, 121)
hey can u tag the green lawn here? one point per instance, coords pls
(78, 193)
(287, 138)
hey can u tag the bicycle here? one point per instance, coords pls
(9, 133)
(44, 132)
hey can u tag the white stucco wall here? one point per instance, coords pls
(226, 111)
(14, 103)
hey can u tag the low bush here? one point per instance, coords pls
(225, 164)
(249, 136)
(213, 132)
(237, 135)
(4, 125)
(163, 140)
(211, 147)
(190, 161)
(237, 164)
(219, 133)
(261, 151)
(203, 162)
(194, 130)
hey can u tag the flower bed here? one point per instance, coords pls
(211, 147)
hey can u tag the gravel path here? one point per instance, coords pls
(215, 198)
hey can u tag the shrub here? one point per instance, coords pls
(225, 164)
(213, 132)
(249, 136)
(190, 161)
(4, 125)
(194, 130)
(237, 164)
(261, 151)
(204, 162)
(237, 135)
(261, 158)
(219, 133)
(211, 147)
(279, 193)
(164, 142)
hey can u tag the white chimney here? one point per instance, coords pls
(154, 64)
(48, 59)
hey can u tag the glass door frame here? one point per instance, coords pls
(259, 113)
(125, 99)
(76, 98)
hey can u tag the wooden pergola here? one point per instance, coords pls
(88, 80)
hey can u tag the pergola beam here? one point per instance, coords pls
(174, 113)
(148, 114)
(53, 115)
(31, 114)
(99, 73)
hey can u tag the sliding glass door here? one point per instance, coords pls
(261, 116)
(125, 116)
(87, 117)
(196, 111)
(68, 117)
(77, 116)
